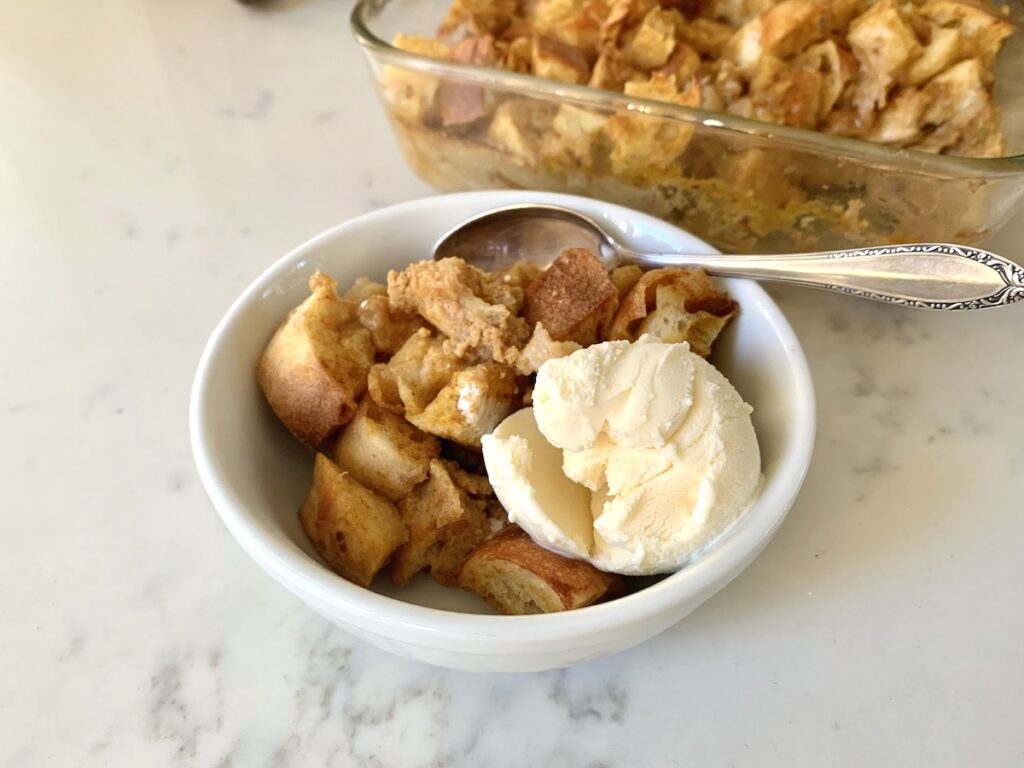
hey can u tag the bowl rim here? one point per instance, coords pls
(906, 160)
(312, 581)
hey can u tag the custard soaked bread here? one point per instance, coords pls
(385, 452)
(397, 385)
(445, 525)
(314, 369)
(353, 528)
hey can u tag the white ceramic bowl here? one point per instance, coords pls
(257, 475)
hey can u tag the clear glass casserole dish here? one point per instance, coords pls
(740, 184)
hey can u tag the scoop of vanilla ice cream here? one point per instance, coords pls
(634, 457)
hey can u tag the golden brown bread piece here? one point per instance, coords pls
(352, 528)
(384, 452)
(471, 405)
(643, 145)
(364, 288)
(445, 523)
(624, 278)
(389, 329)
(520, 274)
(411, 379)
(516, 576)
(313, 371)
(573, 298)
(477, 311)
(460, 102)
(675, 305)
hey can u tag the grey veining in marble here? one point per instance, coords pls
(144, 183)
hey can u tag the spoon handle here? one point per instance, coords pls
(926, 275)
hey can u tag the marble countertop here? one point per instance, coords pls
(154, 158)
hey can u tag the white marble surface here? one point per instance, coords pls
(154, 157)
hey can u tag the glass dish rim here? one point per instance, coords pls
(910, 160)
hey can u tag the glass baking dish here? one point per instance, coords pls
(742, 185)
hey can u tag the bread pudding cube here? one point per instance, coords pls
(354, 529)
(445, 524)
(314, 369)
(385, 452)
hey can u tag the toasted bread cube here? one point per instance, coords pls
(354, 530)
(462, 103)
(886, 46)
(412, 96)
(675, 305)
(519, 126)
(515, 52)
(471, 405)
(961, 112)
(541, 348)
(683, 64)
(901, 122)
(653, 41)
(981, 29)
(573, 298)
(384, 452)
(781, 30)
(612, 70)
(521, 274)
(582, 27)
(792, 99)
(389, 328)
(478, 17)
(942, 50)
(474, 309)
(313, 371)
(516, 576)
(414, 376)
(625, 277)
(706, 36)
(574, 136)
(647, 144)
(673, 323)
(445, 524)
(837, 67)
(556, 60)
(762, 176)
(622, 15)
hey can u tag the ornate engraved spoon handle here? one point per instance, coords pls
(927, 275)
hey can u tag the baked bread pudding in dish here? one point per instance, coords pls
(399, 388)
(909, 73)
(763, 126)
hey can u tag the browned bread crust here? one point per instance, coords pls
(445, 523)
(675, 305)
(314, 369)
(516, 576)
(573, 298)
(352, 528)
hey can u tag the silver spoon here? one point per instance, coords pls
(927, 275)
